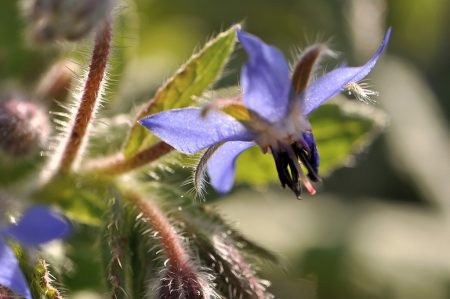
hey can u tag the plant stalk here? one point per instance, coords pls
(119, 164)
(170, 240)
(89, 100)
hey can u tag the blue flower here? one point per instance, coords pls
(37, 226)
(271, 114)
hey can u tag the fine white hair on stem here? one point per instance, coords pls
(198, 177)
(244, 271)
(67, 154)
(64, 121)
(184, 282)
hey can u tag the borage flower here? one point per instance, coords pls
(272, 113)
(37, 226)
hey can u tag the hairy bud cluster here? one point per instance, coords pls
(23, 126)
(180, 283)
(51, 20)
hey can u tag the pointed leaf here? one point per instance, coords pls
(209, 213)
(191, 80)
(81, 197)
(222, 254)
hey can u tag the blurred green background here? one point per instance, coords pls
(377, 229)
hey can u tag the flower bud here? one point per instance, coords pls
(180, 283)
(5, 293)
(51, 20)
(23, 126)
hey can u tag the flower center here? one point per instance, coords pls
(290, 172)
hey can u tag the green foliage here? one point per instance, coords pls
(15, 170)
(43, 281)
(341, 129)
(82, 250)
(115, 251)
(83, 198)
(128, 250)
(17, 59)
(223, 250)
(107, 222)
(190, 81)
(208, 219)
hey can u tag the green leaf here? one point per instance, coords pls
(82, 250)
(342, 128)
(14, 170)
(190, 81)
(83, 198)
(145, 257)
(115, 251)
(254, 168)
(129, 250)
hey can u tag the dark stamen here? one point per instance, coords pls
(287, 172)
(312, 173)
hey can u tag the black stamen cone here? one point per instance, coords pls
(287, 172)
(307, 161)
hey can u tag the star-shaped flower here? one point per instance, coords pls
(37, 226)
(272, 113)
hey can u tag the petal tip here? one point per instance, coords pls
(241, 34)
(237, 27)
(385, 41)
(142, 121)
(248, 40)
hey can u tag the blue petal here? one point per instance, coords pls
(222, 163)
(11, 276)
(39, 225)
(265, 78)
(333, 82)
(188, 131)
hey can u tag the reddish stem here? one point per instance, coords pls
(89, 98)
(171, 243)
(119, 164)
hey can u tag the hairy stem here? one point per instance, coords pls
(119, 164)
(247, 277)
(44, 281)
(170, 240)
(89, 99)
